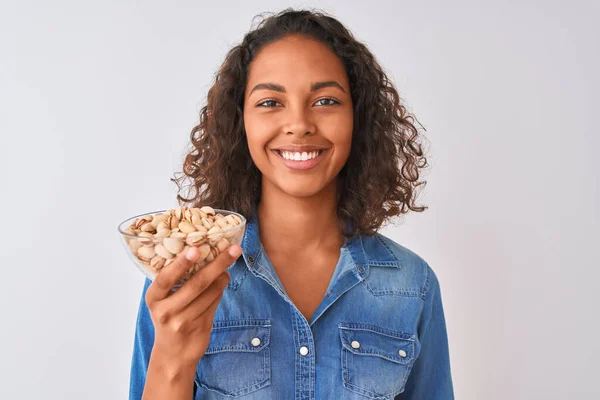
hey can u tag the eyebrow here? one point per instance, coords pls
(314, 87)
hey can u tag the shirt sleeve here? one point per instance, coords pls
(431, 378)
(142, 349)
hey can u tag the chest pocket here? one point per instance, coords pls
(238, 359)
(376, 362)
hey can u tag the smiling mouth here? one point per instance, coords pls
(299, 156)
(304, 163)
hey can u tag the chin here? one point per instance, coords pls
(297, 189)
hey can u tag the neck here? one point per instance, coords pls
(297, 225)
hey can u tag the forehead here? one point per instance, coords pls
(296, 60)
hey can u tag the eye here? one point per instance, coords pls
(334, 102)
(266, 103)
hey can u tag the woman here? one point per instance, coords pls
(305, 136)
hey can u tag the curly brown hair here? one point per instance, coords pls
(380, 177)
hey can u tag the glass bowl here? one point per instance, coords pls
(153, 240)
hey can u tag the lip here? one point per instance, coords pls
(300, 165)
(300, 148)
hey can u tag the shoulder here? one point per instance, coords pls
(405, 267)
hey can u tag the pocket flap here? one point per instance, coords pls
(370, 340)
(244, 336)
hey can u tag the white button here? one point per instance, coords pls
(303, 350)
(355, 344)
(402, 353)
(256, 342)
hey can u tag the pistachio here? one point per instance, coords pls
(178, 235)
(222, 244)
(178, 212)
(207, 223)
(163, 233)
(147, 227)
(145, 253)
(229, 218)
(196, 238)
(134, 245)
(186, 227)
(157, 263)
(214, 234)
(208, 210)
(188, 215)
(204, 251)
(196, 219)
(221, 223)
(173, 245)
(162, 225)
(163, 252)
(173, 221)
(147, 238)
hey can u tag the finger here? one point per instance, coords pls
(202, 279)
(209, 313)
(171, 274)
(204, 301)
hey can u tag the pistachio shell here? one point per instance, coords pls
(162, 225)
(157, 263)
(178, 212)
(163, 252)
(146, 238)
(215, 234)
(204, 251)
(161, 217)
(207, 223)
(173, 245)
(178, 235)
(221, 223)
(208, 210)
(188, 215)
(196, 219)
(196, 238)
(201, 228)
(222, 244)
(147, 227)
(197, 213)
(163, 233)
(186, 227)
(146, 253)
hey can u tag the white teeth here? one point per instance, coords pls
(297, 156)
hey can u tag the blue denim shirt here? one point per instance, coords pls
(378, 333)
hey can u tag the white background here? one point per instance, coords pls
(97, 100)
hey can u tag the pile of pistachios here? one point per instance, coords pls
(160, 237)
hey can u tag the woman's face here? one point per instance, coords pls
(298, 95)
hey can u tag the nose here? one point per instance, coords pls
(299, 123)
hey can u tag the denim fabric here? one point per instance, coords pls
(378, 333)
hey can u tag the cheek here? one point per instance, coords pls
(257, 142)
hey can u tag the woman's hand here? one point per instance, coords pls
(183, 319)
